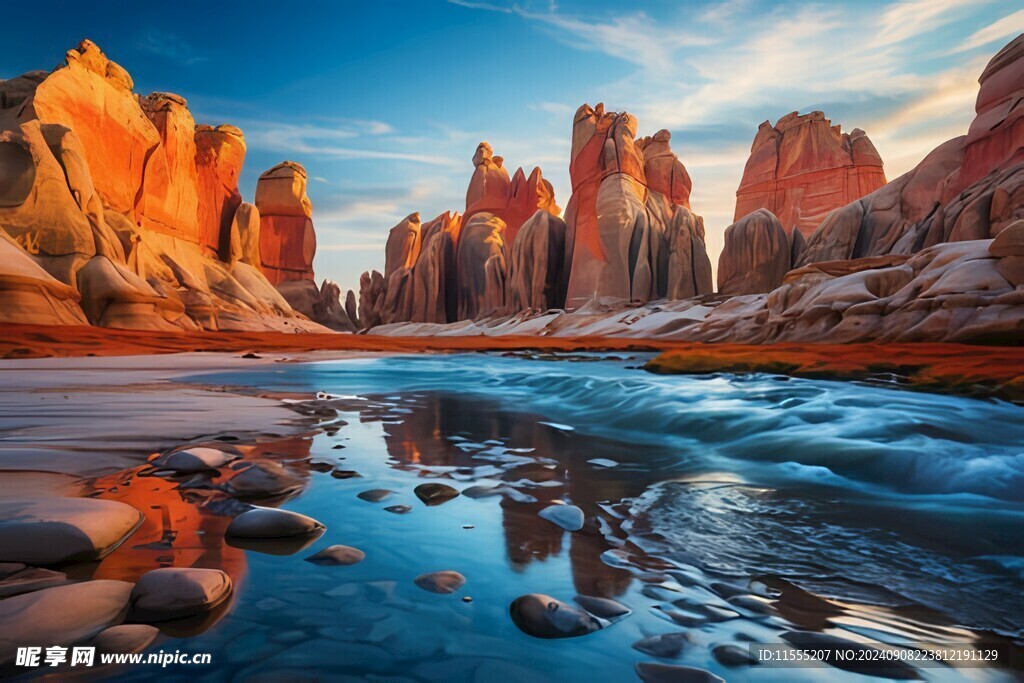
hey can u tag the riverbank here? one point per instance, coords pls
(978, 371)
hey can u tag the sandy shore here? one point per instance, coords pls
(86, 417)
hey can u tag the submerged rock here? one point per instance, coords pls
(125, 638)
(30, 579)
(263, 479)
(176, 593)
(542, 616)
(269, 523)
(399, 509)
(868, 665)
(61, 615)
(374, 495)
(653, 672)
(733, 655)
(569, 517)
(58, 530)
(193, 460)
(441, 582)
(337, 555)
(435, 494)
(605, 608)
(666, 645)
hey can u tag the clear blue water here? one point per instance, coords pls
(903, 510)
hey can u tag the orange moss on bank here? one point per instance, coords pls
(972, 370)
(958, 368)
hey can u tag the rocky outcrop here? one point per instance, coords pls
(757, 254)
(606, 214)
(968, 188)
(536, 266)
(953, 292)
(803, 167)
(220, 152)
(170, 190)
(526, 197)
(680, 267)
(489, 187)
(480, 266)
(423, 277)
(287, 240)
(434, 285)
(996, 136)
(244, 235)
(371, 299)
(127, 206)
(30, 295)
(630, 237)
(321, 304)
(957, 292)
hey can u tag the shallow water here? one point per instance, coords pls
(899, 513)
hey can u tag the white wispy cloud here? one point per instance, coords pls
(737, 62)
(340, 139)
(170, 46)
(1008, 26)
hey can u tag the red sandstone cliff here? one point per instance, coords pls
(117, 210)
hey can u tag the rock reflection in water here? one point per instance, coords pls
(462, 438)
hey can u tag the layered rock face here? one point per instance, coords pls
(287, 240)
(220, 152)
(996, 136)
(131, 211)
(803, 167)
(628, 234)
(480, 267)
(622, 227)
(757, 254)
(454, 267)
(536, 277)
(969, 292)
(969, 188)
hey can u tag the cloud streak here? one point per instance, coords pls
(1008, 26)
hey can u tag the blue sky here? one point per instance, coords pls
(384, 103)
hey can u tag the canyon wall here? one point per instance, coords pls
(628, 234)
(118, 210)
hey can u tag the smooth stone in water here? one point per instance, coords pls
(569, 517)
(399, 509)
(435, 494)
(337, 555)
(30, 579)
(869, 665)
(603, 462)
(734, 655)
(178, 592)
(605, 608)
(193, 460)
(345, 474)
(440, 582)
(542, 616)
(374, 495)
(125, 638)
(653, 672)
(265, 523)
(262, 479)
(666, 645)
(61, 615)
(58, 530)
